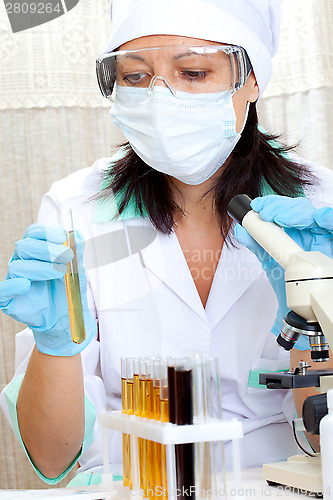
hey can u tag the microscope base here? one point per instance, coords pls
(300, 472)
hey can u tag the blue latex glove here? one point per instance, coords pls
(34, 293)
(311, 228)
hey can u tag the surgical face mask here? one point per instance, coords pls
(187, 136)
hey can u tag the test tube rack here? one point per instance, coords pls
(169, 435)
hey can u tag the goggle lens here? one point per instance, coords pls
(199, 69)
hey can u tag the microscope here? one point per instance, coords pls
(309, 292)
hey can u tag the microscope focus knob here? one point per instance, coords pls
(314, 409)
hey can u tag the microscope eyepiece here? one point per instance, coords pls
(239, 206)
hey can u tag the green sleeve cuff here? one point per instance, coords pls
(11, 394)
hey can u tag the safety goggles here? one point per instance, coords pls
(194, 69)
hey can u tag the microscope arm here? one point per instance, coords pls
(308, 275)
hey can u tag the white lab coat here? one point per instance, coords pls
(146, 303)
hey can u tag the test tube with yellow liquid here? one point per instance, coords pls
(126, 437)
(138, 412)
(130, 409)
(143, 444)
(150, 463)
(164, 401)
(158, 486)
(72, 282)
(136, 377)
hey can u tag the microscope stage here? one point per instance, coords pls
(290, 380)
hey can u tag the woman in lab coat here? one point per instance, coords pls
(163, 273)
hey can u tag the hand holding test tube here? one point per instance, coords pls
(33, 291)
(72, 282)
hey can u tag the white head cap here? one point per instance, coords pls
(251, 24)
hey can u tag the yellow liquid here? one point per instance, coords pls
(123, 396)
(150, 398)
(136, 395)
(143, 443)
(150, 459)
(130, 397)
(157, 446)
(73, 292)
(157, 402)
(130, 411)
(164, 410)
(137, 412)
(125, 399)
(125, 436)
(164, 418)
(142, 398)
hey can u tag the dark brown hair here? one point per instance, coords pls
(257, 162)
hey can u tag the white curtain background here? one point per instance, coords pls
(54, 121)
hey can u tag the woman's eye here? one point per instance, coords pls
(135, 78)
(194, 75)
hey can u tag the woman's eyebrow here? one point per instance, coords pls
(133, 56)
(188, 54)
(175, 58)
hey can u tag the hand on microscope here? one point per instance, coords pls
(310, 228)
(33, 291)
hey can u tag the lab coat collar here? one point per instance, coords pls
(237, 270)
(165, 258)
